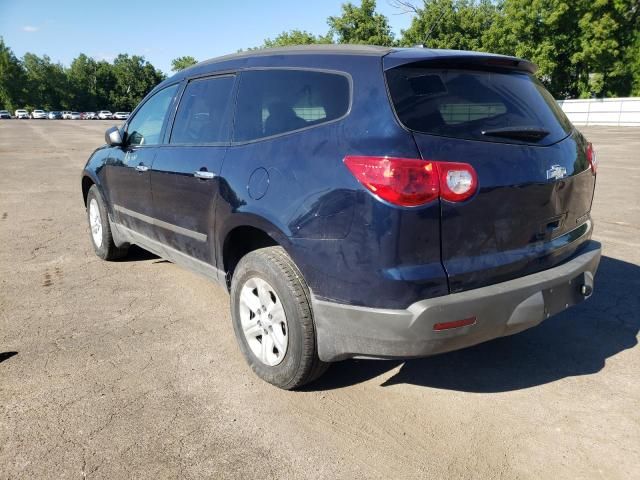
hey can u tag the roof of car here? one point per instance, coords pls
(348, 49)
(393, 57)
(344, 49)
(321, 49)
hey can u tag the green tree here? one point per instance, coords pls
(12, 79)
(134, 78)
(295, 37)
(608, 29)
(453, 24)
(543, 31)
(105, 83)
(580, 46)
(361, 25)
(82, 78)
(46, 83)
(633, 57)
(181, 63)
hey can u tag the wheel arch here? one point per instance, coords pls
(87, 183)
(248, 232)
(89, 179)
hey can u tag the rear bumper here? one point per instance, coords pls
(346, 331)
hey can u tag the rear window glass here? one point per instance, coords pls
(465, 103)
(272, 102)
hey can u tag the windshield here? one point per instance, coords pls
(487, 105)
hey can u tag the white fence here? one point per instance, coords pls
(603, 111)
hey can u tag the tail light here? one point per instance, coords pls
(409, 182)
(401, 181)
(458, 181)
(591, 157)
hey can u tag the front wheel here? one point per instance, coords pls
(273, 319)
(101, 237)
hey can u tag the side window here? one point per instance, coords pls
(204, 112)
(271, 102)
(144, 128)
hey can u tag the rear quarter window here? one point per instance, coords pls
(463, 103)
(274, 102)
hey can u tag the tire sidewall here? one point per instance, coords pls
(102, 250)
(286, 371)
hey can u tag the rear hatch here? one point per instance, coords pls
(535, 180)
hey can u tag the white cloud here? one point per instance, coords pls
(107, 56)
(30, 28)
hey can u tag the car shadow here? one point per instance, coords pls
(576, 342)
(137, 254)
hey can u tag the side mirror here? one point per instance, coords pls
(113, 137)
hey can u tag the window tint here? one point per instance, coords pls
(464, 103)
(204, 112)
(278, 101)
(144, 128)
(467, 112)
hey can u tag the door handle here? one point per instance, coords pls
(204, 174)
(142, 168)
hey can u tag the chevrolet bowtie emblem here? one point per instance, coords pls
(556, 172)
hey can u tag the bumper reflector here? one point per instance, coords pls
(455, 324)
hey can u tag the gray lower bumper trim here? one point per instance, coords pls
(346, 331)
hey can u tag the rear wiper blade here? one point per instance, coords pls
(520, 133)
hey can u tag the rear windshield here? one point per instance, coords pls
(476, 104)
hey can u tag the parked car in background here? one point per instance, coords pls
(121, 115)
(39, 114)
(22, 113)
(88, 115)
(105, 115)
(5, 115)
(356, 201)
(55, 115)
(74, 116)
(65, 114)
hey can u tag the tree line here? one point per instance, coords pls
(86, 85)
(584, 48)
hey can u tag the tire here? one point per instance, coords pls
(256, 272)
(100, 229)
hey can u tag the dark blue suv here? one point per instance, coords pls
(356, 201)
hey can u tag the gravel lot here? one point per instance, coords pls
(130, 369)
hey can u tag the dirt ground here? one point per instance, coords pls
(130, 369)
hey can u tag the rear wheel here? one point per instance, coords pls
(273, 319)
(101, 237)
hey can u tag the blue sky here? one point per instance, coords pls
(158, 29)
